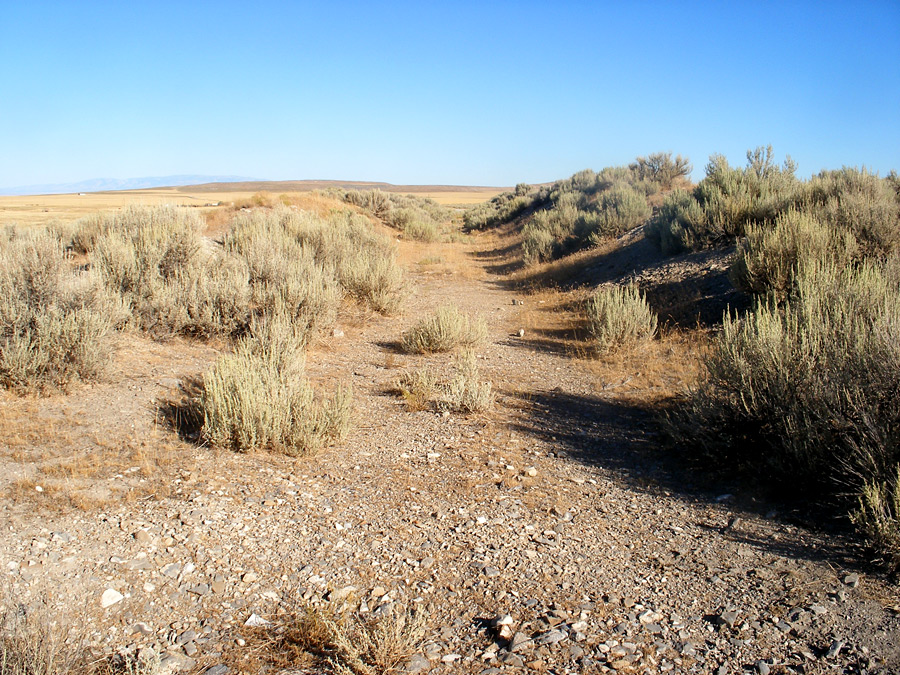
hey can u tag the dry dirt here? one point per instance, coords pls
(559, 508)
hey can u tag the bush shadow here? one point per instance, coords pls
(624, 439)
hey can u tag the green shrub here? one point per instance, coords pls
(768, 257)
(659, 168)
(54, 319)
(443, 331)
(258, 398)
(156, 261)
(620, 209)
(858, 201)
(373, 280)
(618, 316)
(309, 262)
(725, 203)
(418, 218)
(807, 393)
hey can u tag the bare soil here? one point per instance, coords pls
(560, 508)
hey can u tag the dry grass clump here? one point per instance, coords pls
(443, 331)
(878, 516)
(618, 316)
(258, 398)
(54, 319)
(351, 645)
(418, 388)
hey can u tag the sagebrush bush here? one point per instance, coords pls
(659, 168)
(620, 209)
(54, 318)
(419, 218)
(344, 246)
(618, 316)
(443, 331)
(858, 201)
(725, 203)
(259, 399)
(466, 392)
(807, 393)
(878, 516)
(768, 257)
(156, 261)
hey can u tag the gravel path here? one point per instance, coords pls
(549, 535)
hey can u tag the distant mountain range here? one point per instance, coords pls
(107, 184)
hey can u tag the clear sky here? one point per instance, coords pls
(489, 93)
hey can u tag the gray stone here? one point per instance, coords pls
(513, 660)
(729, 618)
(172, 570)
(551, 637)
(575, 651)
(852, 580)
(834, 649)
(185, 637)
(762, 668)
(191, 649)
(417, 664)
(142, 628)
(520, 642)
(199, 589)
(175, 663)
(220, 669)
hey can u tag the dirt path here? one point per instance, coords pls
(556, 509)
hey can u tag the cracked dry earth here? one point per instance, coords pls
(550, 535)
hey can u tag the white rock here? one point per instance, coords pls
(110, 597)
(256, 621)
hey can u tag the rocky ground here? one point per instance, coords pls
(550, 535)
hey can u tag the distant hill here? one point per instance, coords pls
(196, 183)
(109, 184)
(308, 185)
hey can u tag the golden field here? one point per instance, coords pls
(35, 209)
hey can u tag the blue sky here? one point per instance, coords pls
(489, 93)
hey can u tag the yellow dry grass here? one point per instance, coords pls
(42, 209)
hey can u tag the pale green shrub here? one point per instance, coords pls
(54, 319)
(620, 209)
(259, 399)
(618, 316)
(878, 516)
(725, 203)
(768, 257)
(661, 169)
(808, 393)
(284, 246)
(443, 331)
(466, 392)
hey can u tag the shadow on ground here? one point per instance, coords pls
(623, 439)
